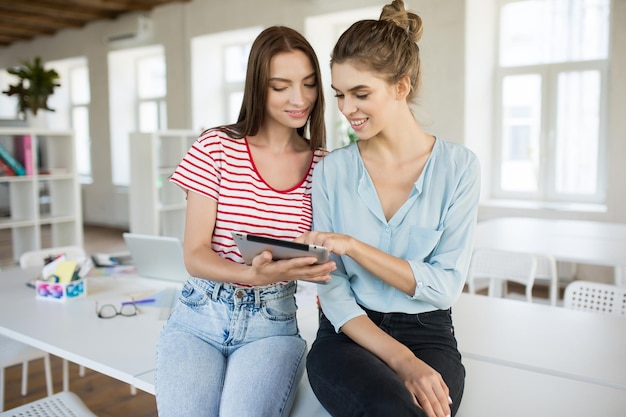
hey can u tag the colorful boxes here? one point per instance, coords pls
(61, 291)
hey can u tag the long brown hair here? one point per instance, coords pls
(387, 46)
(270, 42)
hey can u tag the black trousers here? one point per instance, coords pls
(350, 381)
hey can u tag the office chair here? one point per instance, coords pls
(62, 404)
(620, 272)
(13, 353)
(547, 272)
(595, 297)
(494, 268)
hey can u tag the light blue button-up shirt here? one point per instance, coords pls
(433, 231)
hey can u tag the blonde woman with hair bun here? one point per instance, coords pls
(397, 209)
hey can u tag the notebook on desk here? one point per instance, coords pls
(159, 257)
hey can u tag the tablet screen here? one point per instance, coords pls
(251, 245)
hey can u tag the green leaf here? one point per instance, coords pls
(35, 85)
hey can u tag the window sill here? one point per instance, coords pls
(543, 205)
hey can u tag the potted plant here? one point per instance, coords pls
(35, 84)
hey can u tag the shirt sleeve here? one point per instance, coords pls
(200, 170)
(336, 297)
(440, 278)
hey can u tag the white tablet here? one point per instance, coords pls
(251, 245)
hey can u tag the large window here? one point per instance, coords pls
(71, 102)
(552, 74)
(137, 92)
(151, 90)
(79, 115)
(219, 64)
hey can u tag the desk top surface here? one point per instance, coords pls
(492, 389)
(121, 347)
(579, 241)
(580, 345)
(552, 340)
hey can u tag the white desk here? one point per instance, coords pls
(570, 344)
(545, 346)
(576, 241)
(122, 347)
(73, 331)
(493, 390)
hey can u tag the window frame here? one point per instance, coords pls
(84, 177)
(548, 73)
(159, 101)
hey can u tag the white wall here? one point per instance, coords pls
(173, 27)
(454, 104)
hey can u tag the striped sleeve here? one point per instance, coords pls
(200, 170)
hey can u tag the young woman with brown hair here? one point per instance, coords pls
(231, 346)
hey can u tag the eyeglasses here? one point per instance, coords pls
(108, 311)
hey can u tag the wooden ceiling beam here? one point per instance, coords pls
(55, 10)
(32, 18)
(44, 22)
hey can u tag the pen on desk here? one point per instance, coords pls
(143, 301)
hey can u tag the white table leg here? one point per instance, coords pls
(620, 275)
(66, 375)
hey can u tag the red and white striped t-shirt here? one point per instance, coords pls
(221, 168)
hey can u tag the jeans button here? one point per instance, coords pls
(239, 294)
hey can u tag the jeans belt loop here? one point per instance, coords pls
(216, 290)
(257, 297)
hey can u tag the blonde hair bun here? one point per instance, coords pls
(410, 22)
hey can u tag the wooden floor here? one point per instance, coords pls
(105, 396)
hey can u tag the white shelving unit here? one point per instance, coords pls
(42, 208)
(157, 207)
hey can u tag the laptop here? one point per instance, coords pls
(159, 257)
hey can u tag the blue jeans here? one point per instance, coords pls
(350, 381)
(230, 351)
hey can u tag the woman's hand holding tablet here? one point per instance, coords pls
(251, 245)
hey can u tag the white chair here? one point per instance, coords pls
(36, 258)
(62, 404)
(13, 353)
(547, 272)
(620, 275)
(595, 297)
(494, 268)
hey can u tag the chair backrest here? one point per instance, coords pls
(498, 266)
(620, 275)
(546, 266)
(61, 404)
(36, 257)
(547, 271)
(595, 297)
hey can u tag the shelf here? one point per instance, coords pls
(48, 196)
(15, 223)
(157, 206)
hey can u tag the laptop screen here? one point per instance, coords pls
(159, 257)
